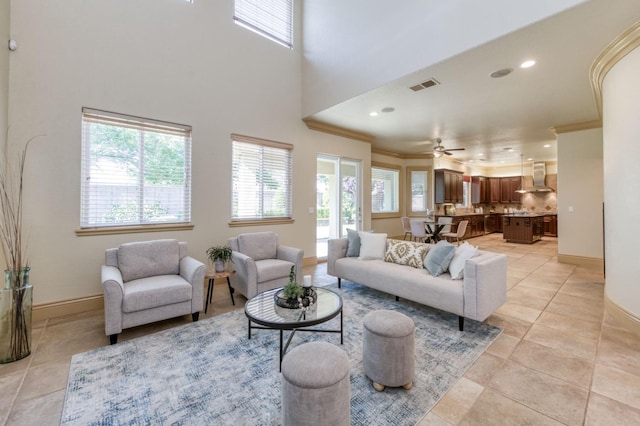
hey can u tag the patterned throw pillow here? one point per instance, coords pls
(405, 253)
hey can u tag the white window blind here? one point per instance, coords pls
(270, 18)
(418, 191)
(135, 171)
(261, 179)
(384, 190)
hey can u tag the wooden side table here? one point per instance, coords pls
(213, 275)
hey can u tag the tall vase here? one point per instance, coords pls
(16, 301)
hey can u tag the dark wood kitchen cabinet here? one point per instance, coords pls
(448, 186)
(551, 225)
(494, 190)
(508, 187)
(479, 190)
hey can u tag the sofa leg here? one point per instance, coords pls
(113, 339)
(195, 316)
(397, 299)
(461, 323)
(339, 282)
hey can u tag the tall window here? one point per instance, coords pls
(261, 179)
(269, 18)
(135, 171)
(417, 190)
(385, 189)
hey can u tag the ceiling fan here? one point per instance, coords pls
(438, 150)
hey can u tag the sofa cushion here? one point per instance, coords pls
(148, 258)
(258, 245)
(151, 292)
(462, 253)
(438, 258)
(372, 246)
(353, 243)
(405, 253)
(272, 269)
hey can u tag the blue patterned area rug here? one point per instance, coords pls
(208, 372)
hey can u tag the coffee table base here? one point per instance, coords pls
(285, 346)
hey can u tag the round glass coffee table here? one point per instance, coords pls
(263, 311)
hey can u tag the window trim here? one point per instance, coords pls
(395, 167)
(409, 195)
(133, 121)
(265, 220)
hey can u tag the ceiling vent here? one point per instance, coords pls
(425, 85)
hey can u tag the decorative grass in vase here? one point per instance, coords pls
(16, 298)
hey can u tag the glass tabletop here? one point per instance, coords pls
(263, 310)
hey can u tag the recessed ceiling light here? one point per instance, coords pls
(547, 145)
(480, 155)
(470, 161)
(388, 109)
(501, 73)
(529, 159)
(373, 114)
(528, 64)
(502, 162)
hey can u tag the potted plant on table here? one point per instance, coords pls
(219, 256)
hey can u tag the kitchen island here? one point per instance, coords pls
(523, 229)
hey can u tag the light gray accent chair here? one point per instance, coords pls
(149, 281)
(388, 349)
(261, 263)
(316, 387)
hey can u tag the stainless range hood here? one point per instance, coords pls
(539, 172)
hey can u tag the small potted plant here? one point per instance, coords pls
(219, 256)
(291, 292)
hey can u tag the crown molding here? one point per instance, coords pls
(400, 155)
(338, 131)
(575, 127)
(610, 56)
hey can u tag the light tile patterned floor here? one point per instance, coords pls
(560, 360)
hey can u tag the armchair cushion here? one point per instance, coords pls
(272, 269)
(258, 245)
(148, 258)
(151, 292)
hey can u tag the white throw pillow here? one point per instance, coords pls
(372, 246)
(463, 252)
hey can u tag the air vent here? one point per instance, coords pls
(425, 85)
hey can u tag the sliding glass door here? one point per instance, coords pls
(338, 199)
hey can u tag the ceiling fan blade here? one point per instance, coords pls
(455, 149)
(447, 153)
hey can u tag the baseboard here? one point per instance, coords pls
(592, 262)
(45, 311)
(622, 316)
(310, 261)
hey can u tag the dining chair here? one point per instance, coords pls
(459, 234)
(446, 221)
(406, 227)
(417, 229)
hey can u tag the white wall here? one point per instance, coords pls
(162, 59)
(346, 55)
(5, 34)
(621, 95)
(581, 188)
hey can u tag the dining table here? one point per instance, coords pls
(433, 230)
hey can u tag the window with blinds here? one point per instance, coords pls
(261, 179)
(269, 18)
(135, 171)
(385, 190)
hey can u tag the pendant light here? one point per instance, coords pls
(521, 189)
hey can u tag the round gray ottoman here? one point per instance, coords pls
(389, 349)
(315, 385)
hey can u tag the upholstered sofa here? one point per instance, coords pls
(149, 281)
(482, 289)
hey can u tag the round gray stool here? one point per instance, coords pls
(389, 349)
(315, 385)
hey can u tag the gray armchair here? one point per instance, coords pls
(149, 281)
(262, 264)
